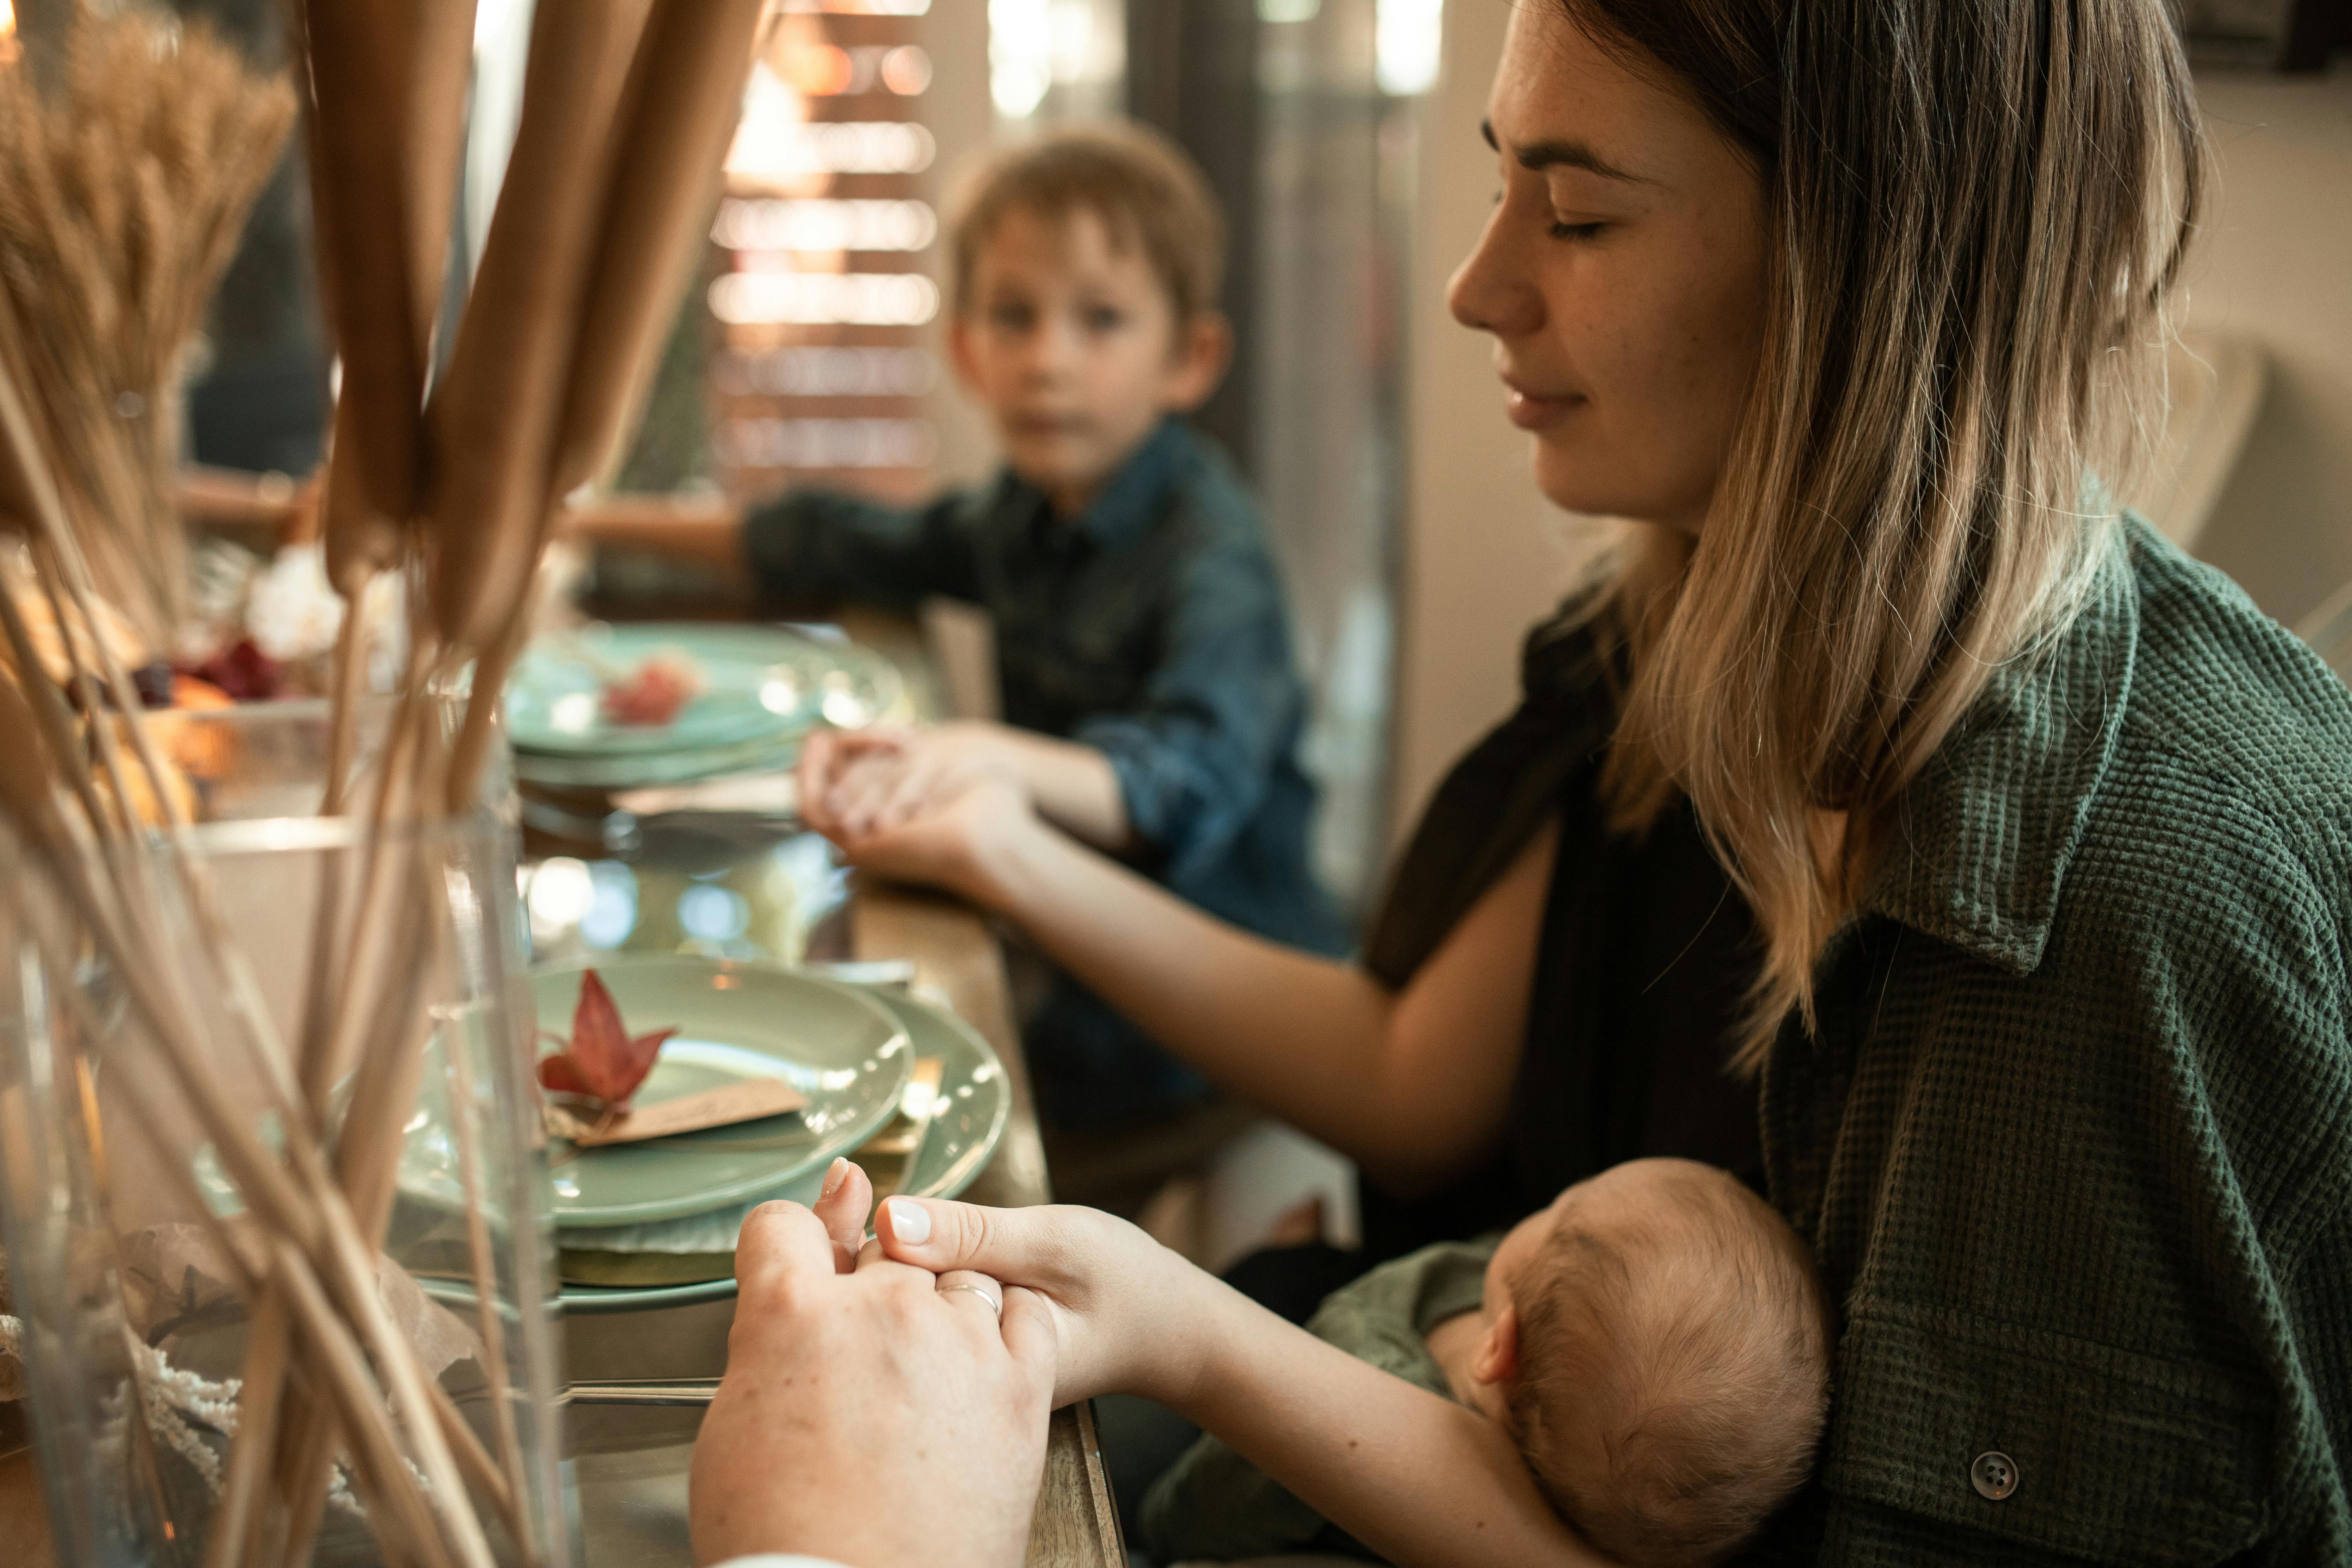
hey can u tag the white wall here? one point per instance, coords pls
(2275, 265)
(957, 109)
(1484, 555)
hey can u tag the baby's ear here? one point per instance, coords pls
(1498, 1361)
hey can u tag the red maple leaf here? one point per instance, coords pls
(602, 1061)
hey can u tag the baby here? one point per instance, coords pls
(1655, 1342)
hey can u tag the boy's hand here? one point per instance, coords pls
(856, 783)
(1130, 1316)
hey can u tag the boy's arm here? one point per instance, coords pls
(704, 528)
(810, 545)
(824, 546)
(1412, 1475)
(1193, 756)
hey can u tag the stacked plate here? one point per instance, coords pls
(896, 1082)
(763, 688)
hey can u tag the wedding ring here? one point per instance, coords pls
(995, 1301)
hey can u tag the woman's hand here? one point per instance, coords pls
(962, 844)
(857, 783)
(1128, 1315)
(1412, 1474)
(866, 1416)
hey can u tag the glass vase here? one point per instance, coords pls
(296, 1010)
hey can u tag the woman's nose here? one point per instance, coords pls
(1489, 292)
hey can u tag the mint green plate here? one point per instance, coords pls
(975, 1100)
(843, 1049)
(764, 686)
(647, 770)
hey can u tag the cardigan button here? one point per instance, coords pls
(1994, 1475)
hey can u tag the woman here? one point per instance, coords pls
(2042, 828)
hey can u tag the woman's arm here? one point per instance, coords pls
(1415, 1477)
(1412, 1084)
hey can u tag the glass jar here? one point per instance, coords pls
(162, 1293)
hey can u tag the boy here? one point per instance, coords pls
(1655, 1342)
(1150, 700)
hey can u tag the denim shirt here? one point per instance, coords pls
(1153, 628)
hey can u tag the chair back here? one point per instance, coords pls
(2329, 630)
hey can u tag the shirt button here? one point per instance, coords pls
(1994, 1475)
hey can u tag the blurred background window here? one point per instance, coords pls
(812, 351)
(1341, 136)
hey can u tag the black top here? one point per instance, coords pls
(1646, 955)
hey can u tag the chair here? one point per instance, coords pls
(2215, 382)
(2328, 629)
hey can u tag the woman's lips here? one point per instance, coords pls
(1530, 411)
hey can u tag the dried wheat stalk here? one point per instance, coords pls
(627, 107)
(122, 198)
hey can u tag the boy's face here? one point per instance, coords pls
(1073, 343)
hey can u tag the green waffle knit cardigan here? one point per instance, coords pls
(2074, 1141)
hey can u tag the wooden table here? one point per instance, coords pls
(632, 1464)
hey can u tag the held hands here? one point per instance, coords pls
(934, 806)
(871, 1412)
(855, 784)
(1128, 1315)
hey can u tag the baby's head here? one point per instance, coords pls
(1086, 266)
(1661, 1346)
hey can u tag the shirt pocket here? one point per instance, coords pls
(2047, 1441)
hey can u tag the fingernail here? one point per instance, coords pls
(909, 1221)
(836, 1173)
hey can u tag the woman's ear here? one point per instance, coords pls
(1204, 351)
(1498, 1361)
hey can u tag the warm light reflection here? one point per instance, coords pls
(9, 47)
(824, 299)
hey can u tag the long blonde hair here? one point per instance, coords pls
(1977, 213)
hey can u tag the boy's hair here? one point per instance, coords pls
(1673, 1378)
(1147, 193)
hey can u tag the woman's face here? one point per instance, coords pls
(1622, 276)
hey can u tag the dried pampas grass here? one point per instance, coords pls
(122, 194)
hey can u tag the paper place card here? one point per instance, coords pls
(748, 1100)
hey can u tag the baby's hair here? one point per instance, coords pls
(1673, 1374)
(1142, 187)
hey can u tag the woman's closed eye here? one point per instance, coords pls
(1010, 316)
(1104, 318)
(1561, 229)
